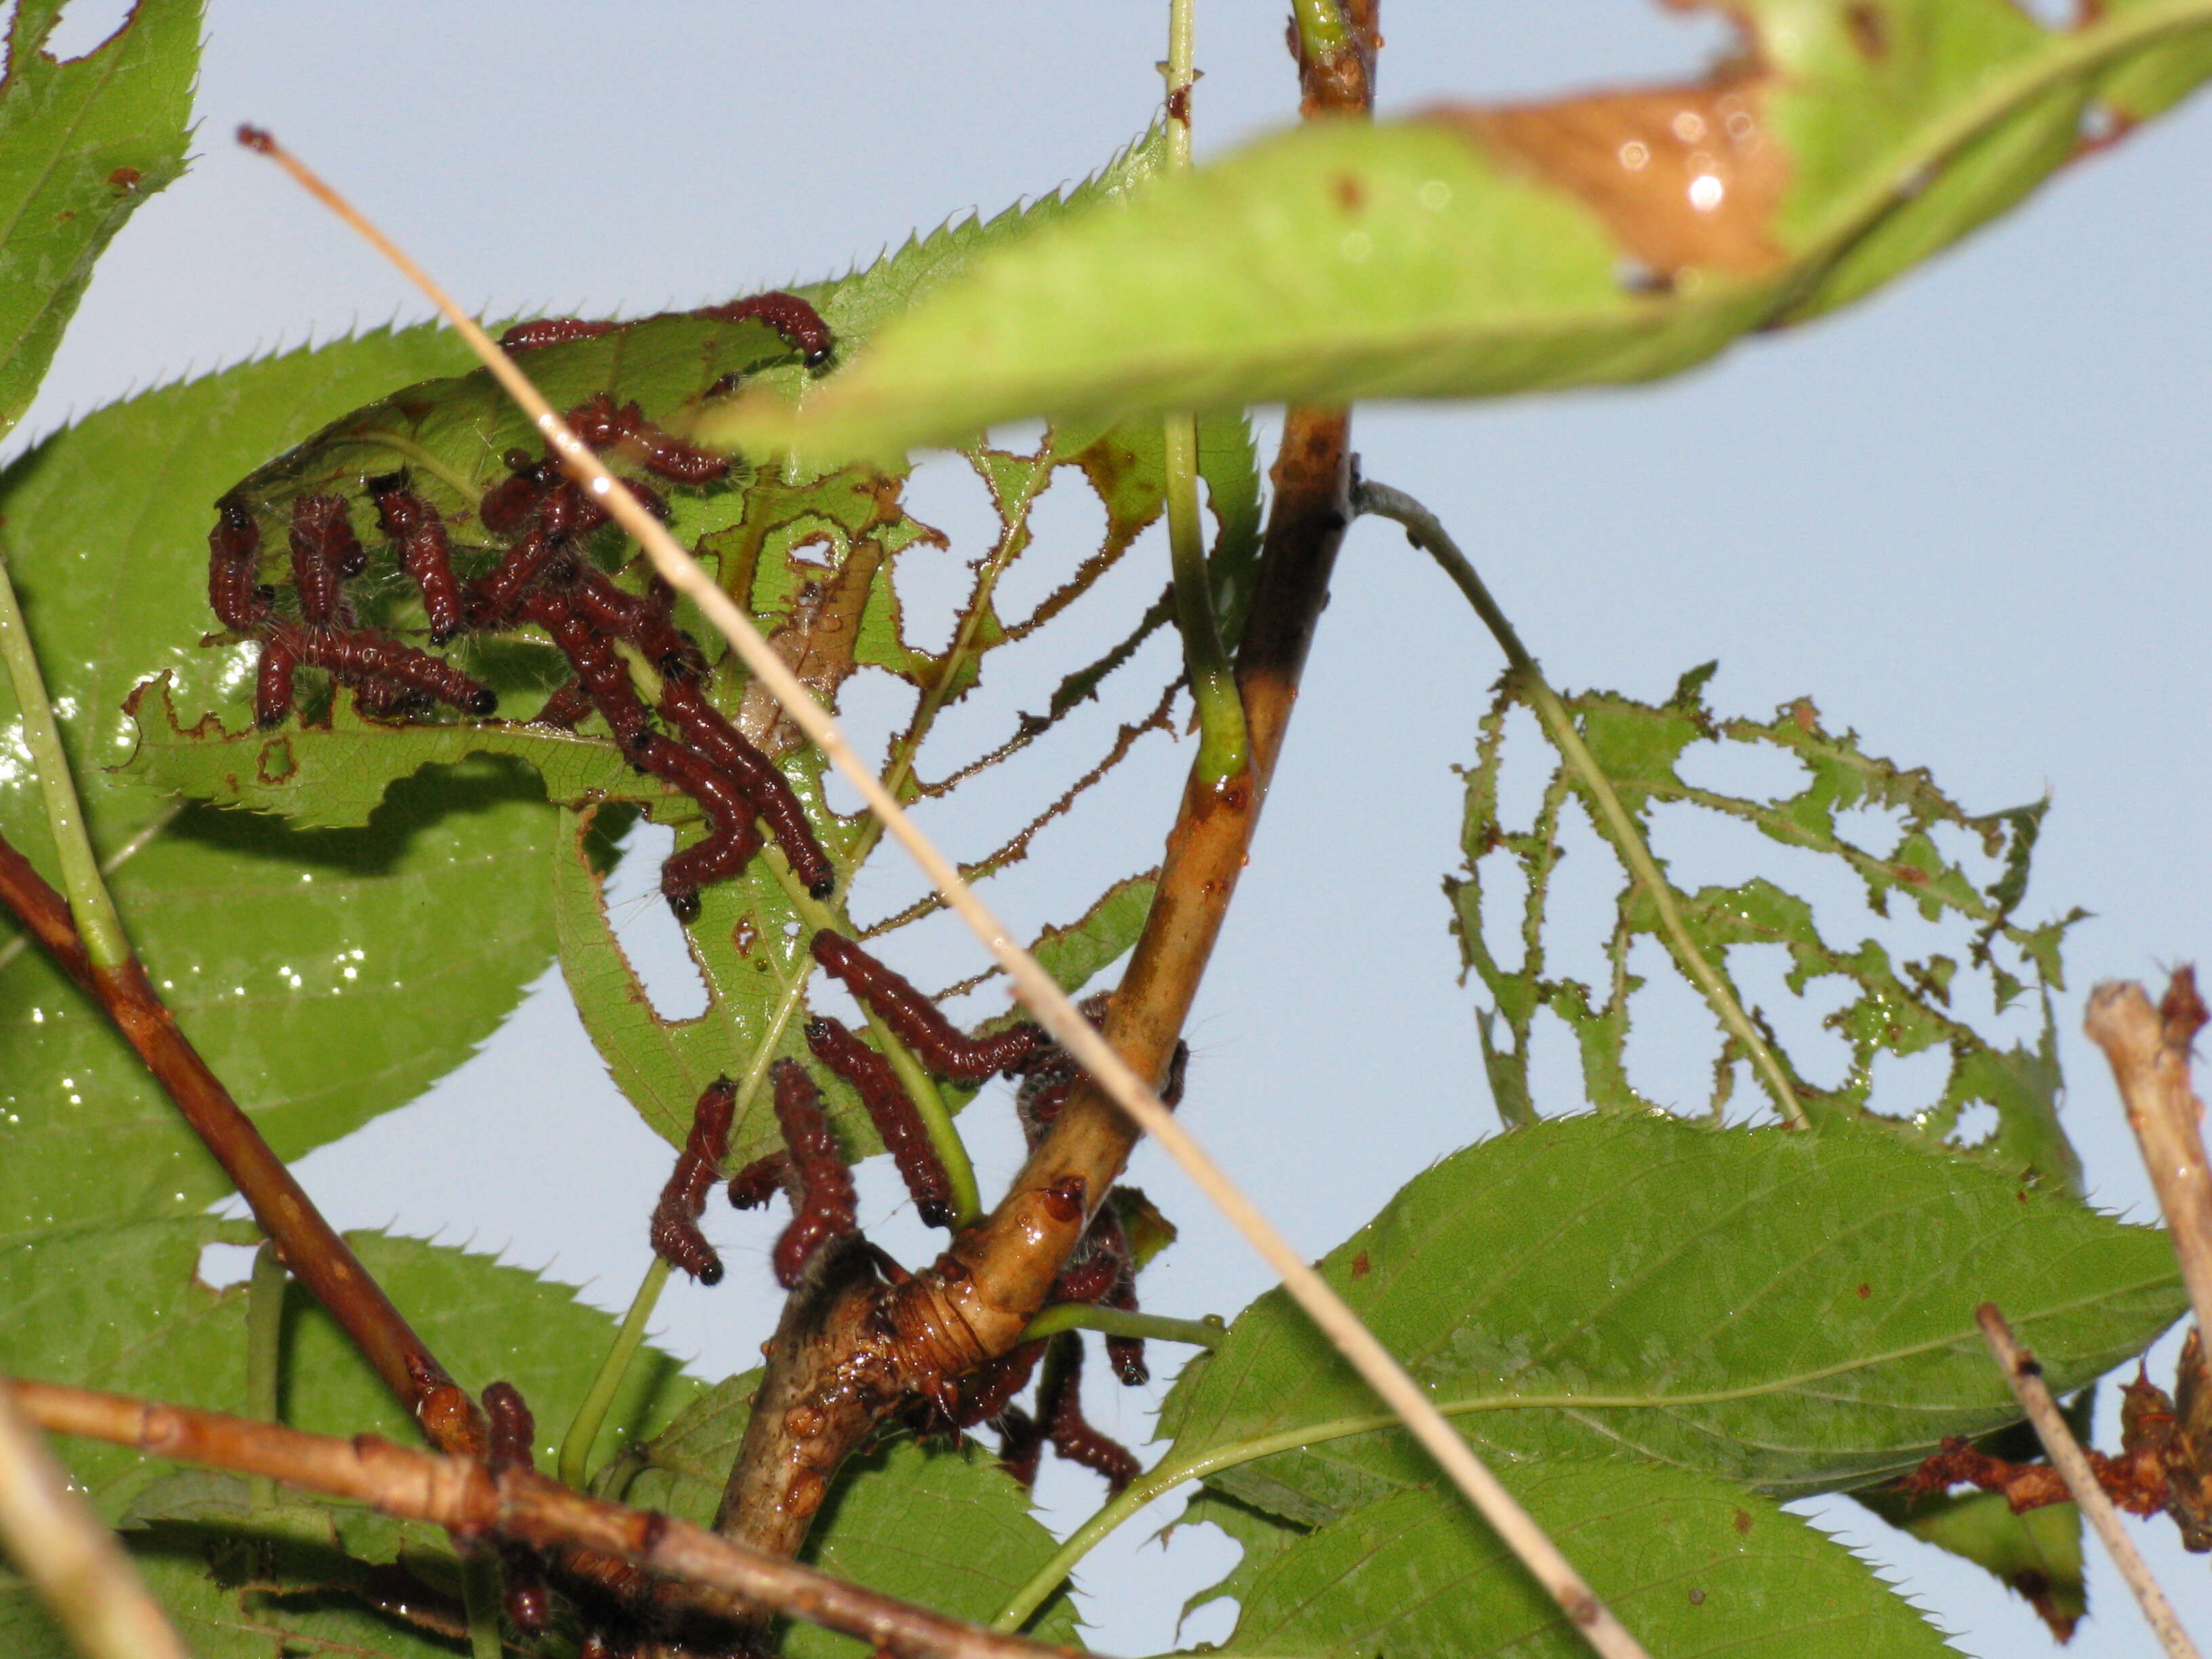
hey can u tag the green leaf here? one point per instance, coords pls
(1690, 1564)
(119, 1306)
(2037, 1555)
(943, 1526)
(1898, 1007)
(1477, 251)
(295, 962)
(1260, 1535)
(1794, 1311)
(82, 144)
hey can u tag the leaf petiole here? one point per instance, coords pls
(1612, 819)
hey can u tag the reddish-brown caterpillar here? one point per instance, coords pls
(892, 1111)
(822, 1202)
(1060, 1412)
(760, 1181)
(513, 1436)
(424, 552)
(936, 1043)
(704, 728)
(675, 1230)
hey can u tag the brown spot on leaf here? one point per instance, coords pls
(1696, 1597)
(1684, 177)
(1361, 1266)
(1868, 29)
(1351, 193)
(1806, 716)
(124, 180)
(1742, 1522)
(1865, 1289)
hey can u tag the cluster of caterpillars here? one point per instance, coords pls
(813, 1173)
(542, 574)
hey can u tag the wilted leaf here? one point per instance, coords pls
(1791, 1310)
(82, 144)
(1472, 251)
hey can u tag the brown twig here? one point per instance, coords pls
(519, 1506)
(78, 1568)
(2026, 1377)
(977, 1302)
(311, 1247)
(2148, 1050)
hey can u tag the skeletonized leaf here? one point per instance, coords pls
(1692, 1565)
(1794, 1311)
(1471, 251)
(82, 144)
(1896, 1008)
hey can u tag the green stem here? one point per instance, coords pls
(1320, 27)
(574, 1464)
(265, 1352)
(1423, 530)
(480, 1595)
(1205, 1332)
(1224, 751)
(93, 911)
(937, 1119)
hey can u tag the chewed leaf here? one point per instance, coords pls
(1791, 1310)
(1897, 1008)
(1474, 250)
(82, 144)
(1692, 1564)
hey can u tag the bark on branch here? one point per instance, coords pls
(311, 1247)
(851, 1347)
(463, 1496)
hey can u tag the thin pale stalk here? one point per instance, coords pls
(154, 828)
(462, 1495)
(573, 1464)
(264, 1348)
(79, 1571)
(1121, 1321)
(2149, 1049)
(1423, 529)
(1036, 988)
(2026, 1377)
(97, 924)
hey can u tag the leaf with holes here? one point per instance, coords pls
(1904, 1008)
(293, 960)
(82, 144)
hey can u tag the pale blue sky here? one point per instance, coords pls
(1967, 517)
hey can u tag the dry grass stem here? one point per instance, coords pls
(74, 1562)
(1036, 989)
(2066, 1456)
(2148, 1050)
(463, 1496)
